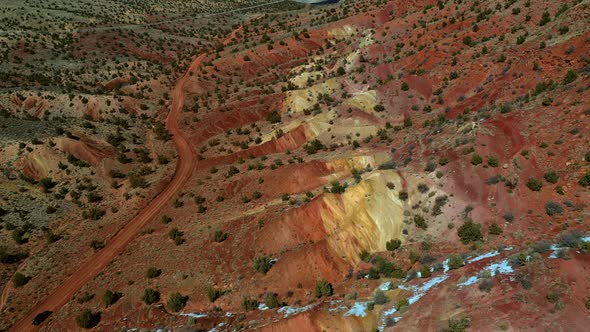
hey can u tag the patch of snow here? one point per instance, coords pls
(216, 328)
(502, 267)
(194, 315)
(484, 256)
(385, 286)
(421, 290)
(446, 266)
(289, 310)
(340, 308)
(263, 307)
(359, 309)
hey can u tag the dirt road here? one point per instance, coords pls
(94, 264)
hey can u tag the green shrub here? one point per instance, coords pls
(495, 229)
(19, 280)
(585, 180)
(469, 231)
(213, 294)
(153, 272)
(248, 303)
(551, 177)
(420, 222)
(262, 264)
(380, 297)
(88, 319)
(273, 117)
(476, 159)
(150, 296)
(176, 301)
(534, 184)
(323, 288)
(393, 245)
(405, 86)
(457, 325)
(570, 77)
(493, 161)
(220, 236)
(553, 208)
(272, 301)
(111, 297)
(455, 261)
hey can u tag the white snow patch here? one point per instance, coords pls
(216, 328)
(385, 286)
(484, 256)
(194, 315)
(289, 310)
(502, 267)
(421, 290)
(359, 309)
(263, 307)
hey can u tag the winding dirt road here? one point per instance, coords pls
(97, 262)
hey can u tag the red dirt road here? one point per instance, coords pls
(97, 262)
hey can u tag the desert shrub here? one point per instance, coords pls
(337, 188)
(551, 177)
(47, 184)
(150, 296)
(313, 146)
(403, 195)
(77, 162)
(323, 288)
(88, 319)
(493, 161)
(469, 231)
(273, 117)
(495, 229)
(457, 325)
(585, 180)
(485, 285)
(166, 219)
(553, 208)
(541, 246)
(508, 216)
(176, 235)
(569, 239)
(153, 272)
(455, 261)
(393, 245)
(379, 108)
(93, 213)
(19, 280)
(402, 303)
(546, 18)
(262, 264)
(249, 303)
(534, 184)
(405, 86)
(271, 300)
(380, 297)
(570, 77)
(220, 236)
(422, 188)
(425, 271)
(176, 301)
(420, 222)
(111, 297)
(213, 294)
(476, 159)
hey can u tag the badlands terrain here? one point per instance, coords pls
(371, 165)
